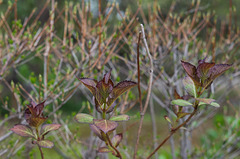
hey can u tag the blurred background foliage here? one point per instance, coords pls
(214, 136)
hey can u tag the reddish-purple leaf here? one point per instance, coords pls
(203, 69)
(96, 131)
(107, 77)
(105, 125)
(27, 114)
(103, 91)
(49, 127)
(104, 150)
(37, 121)
(202, 61)
(119, 89)
(117, 139)
(45, 143)
(89, 83)
(189, 68)
(23, 130)
(217, 70)
(176, 95)
(38, 109)
(31, 110)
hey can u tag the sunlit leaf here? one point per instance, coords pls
(49, 127)
(181, 102)
(104, 150)
(105, 125)
(84, 118)
(23, 130)
(117, 139)
(215, 104)
(123, 117)
(45, 143)
(190, 86)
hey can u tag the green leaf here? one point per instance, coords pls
(104, 150)
(208, 101)
(181, 102)
(205, 100)
(215, 104)
(190, 86)
(181, 115)
(45, 143)
(123, 117)
(23, 130)
(84, 118)
(168, 119)
(49, 127)
(105, 125)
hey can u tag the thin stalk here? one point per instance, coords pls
(138, 67)
(148, 93)
(116, 150)
(40, 149)
(104, 111)
(174, 130)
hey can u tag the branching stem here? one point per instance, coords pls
(115, 149)
(175, 130)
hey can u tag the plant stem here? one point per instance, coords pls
(116, 150)
(40, 149)
(138, 67)
(174, 130)
(148, 91)
(104, 111)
